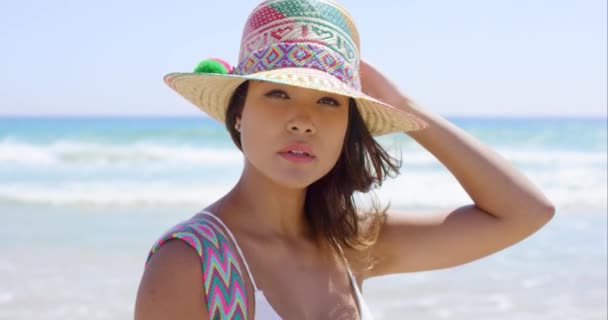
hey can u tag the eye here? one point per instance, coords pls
(276, 93)
(329, 101)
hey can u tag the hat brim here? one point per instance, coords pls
(211, 93)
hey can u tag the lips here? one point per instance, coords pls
(298, 149)
(298, 152)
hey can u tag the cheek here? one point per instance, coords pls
(257, 116)
(335, 132)
(255, 127)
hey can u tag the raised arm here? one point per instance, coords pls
(506, 207)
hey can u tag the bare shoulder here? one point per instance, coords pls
(171, 286)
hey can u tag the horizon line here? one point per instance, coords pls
(204, 116)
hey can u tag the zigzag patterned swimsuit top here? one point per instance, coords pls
(222, 274)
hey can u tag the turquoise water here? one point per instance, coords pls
(135, 161)
(583, 134)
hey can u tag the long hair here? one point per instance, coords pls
(330, 205)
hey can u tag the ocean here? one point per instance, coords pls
(82, 199)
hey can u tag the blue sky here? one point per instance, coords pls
(468, 57)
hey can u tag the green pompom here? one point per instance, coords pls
(211, 66)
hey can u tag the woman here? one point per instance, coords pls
(287, 242)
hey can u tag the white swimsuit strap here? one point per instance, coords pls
(353, 282)
(210, 214)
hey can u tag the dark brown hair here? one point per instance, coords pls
(330, 207)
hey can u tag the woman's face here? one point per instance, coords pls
(292, 135)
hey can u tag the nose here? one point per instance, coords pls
(301, 124)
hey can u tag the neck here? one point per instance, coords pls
(273, 209)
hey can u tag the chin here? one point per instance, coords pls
(289, 176)
(294, 180)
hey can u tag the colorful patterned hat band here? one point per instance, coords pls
(299, 55)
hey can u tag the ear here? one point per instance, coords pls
(237, 123)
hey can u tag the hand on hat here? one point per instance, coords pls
(377, 85)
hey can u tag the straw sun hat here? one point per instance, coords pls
(305, 43)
